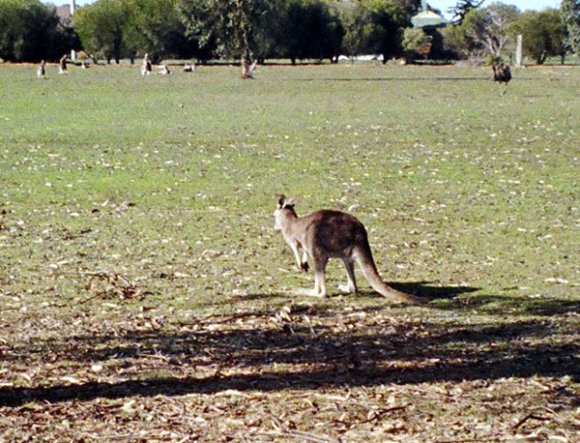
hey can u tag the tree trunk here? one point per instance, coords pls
(541, 60)
(245, 68)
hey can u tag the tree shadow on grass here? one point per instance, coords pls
(359, 348)
(531, 362)
(516, 305)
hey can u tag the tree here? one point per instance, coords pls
(102, 28)
(200, 23)
(235, 28)
(116, 29)
(388, 23)
(543, 33)
(488, 28)
(571, 17)
(460, 10)
(231, 27)
(267, 33)
(154, 27)
(456, 41)
(408, 7)
(356, 22)
(417, 41)
(30, 31)
(311, 30)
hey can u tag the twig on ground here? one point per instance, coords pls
(377, 415)
(302, 436)
(530, 416)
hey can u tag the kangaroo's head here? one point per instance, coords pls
(284, 209)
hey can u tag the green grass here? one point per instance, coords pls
(470, 198)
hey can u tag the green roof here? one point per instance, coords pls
(428, 19)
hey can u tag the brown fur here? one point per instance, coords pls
(501, 73)
(327, 234)
(248, 69)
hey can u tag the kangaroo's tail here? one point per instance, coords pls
(364, 258)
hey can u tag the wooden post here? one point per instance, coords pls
(519, 40)
(73, 7)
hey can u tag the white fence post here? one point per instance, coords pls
(519, 40)
(73, 7)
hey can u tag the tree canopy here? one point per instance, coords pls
(571, 17)
(462, 8)
(488, 28)
(292, 29)
(31, 31)
(544, 34)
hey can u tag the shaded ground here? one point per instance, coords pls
(308, 371)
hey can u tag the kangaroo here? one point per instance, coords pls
(62, 68)
(41, 70)
(329, 234)
(247, 69)
(146, 66)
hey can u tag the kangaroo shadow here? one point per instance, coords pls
(422, 289)
(428, 291)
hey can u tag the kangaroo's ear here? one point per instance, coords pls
(281, 201)
(284, 202)
(290, 202)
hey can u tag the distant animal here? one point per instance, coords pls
(502, 74)
(247, 69)
(190, 67)
(41, 70)
(164, 70)
(62, 68)
(146, 66)
(326, 234)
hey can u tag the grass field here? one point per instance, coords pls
(144, 295)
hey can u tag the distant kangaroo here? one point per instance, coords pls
(146, 66)
(329, 234)
(62, 65)
(41, 70)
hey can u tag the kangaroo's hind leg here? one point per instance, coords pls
(350, 286)
(319, 278)
(319, 262)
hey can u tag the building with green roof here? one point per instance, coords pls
(428, 18)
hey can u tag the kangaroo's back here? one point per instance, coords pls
(334, 233)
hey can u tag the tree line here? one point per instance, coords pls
(281, 29)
